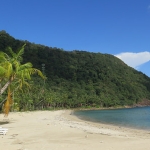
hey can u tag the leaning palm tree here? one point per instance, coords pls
(12, 71)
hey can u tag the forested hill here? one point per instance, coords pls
(83, 78)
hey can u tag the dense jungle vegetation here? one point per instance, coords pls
(75, 79)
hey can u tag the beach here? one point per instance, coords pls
(59, 130)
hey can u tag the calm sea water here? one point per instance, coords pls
(129, 117)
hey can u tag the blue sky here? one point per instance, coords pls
(117, 27)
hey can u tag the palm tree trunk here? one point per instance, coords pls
(2, 90)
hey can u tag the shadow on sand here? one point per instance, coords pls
(4, 122)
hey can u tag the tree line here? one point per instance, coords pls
(76, 78)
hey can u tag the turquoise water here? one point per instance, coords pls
(138, 117)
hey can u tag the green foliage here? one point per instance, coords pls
(77, 78)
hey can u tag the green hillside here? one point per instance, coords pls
(78, 78)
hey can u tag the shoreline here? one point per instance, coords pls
(107, 124)
(109, 108)
(44, 130)
(103, 126)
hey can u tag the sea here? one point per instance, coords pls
(138, 117)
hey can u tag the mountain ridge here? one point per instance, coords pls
(86, 77)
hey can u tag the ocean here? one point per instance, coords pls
(138, 117)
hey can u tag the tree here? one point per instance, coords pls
(12, 71)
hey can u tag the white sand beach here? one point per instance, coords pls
(58, 130)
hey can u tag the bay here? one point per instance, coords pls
(138, 117)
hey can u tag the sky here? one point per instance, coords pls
(117, 27)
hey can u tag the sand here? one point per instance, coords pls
(58, 130)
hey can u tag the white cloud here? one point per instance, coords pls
(134, 59)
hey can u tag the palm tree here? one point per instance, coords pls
(12, 71)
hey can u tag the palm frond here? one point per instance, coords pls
(20, 53)
(13, 54)
(3, 57)
(8, 66)
(26, 65)
(40, 74)
(16, 66)
(2, 71)
(12, 69)
(22, 83)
